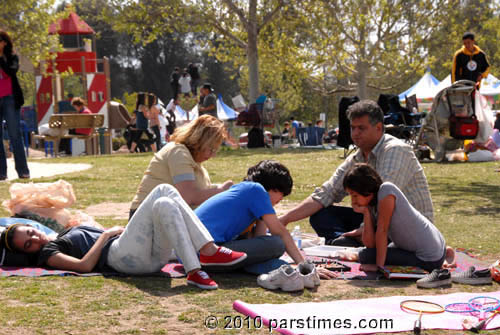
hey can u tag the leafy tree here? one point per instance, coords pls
(239, 22)
(373, 44)
(27, 22)
(478, 16)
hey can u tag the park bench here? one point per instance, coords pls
(64, 122)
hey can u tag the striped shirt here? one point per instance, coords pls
(395, 162)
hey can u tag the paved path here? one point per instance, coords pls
(38, 170)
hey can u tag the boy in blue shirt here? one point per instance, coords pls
(240, 217)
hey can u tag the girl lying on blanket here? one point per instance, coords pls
(388, 215)
(162, 222)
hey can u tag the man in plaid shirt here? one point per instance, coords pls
(392, 158)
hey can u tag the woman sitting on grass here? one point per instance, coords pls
(388, 215)
(179, 163)
(163, 222)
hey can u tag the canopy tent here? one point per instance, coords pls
(224, 112)
(180, 114)
(424, 88)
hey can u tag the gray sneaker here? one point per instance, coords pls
(285, 278)
(473, 277)
(308, 274)
(437, 278)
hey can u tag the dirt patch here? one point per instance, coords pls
(285, 206)
(120, 210)
(117, 210)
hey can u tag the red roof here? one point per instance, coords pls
(71, 25)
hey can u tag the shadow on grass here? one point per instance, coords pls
(268, 151)
(381, 283)
(456, 192)
(162, 286)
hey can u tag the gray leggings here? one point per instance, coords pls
(397, 256)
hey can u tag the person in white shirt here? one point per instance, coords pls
(185, 83)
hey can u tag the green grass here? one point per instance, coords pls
(466, 198)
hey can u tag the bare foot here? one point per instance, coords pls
(449, 261)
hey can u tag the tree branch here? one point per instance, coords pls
(229, 34)
(237, 11)
(270, 16)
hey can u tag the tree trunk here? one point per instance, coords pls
(362, 69)
(253, 53)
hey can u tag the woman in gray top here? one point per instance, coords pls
(388, 216)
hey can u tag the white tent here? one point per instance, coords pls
(489, 85)
(424, 88)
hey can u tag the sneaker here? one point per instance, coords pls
(308, 274)
(437, 278)
(285, 278)
(472, 277)
(223, 257)
(202, 280)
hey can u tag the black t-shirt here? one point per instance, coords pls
(76, 242)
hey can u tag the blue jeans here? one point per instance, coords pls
(11, 115)
(331, 222)
(258, 249)
(397, 256)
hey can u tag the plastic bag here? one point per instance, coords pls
(485, 118)
(47, 200)
(44, 129)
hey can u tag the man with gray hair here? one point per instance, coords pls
(393, 159)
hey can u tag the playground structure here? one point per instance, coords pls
(78, 61)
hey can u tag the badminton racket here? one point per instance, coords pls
(489, 304)
(421, 307)
(462, 308)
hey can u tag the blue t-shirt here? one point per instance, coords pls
(227, 214)
(295, 124)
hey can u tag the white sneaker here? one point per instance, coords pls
(308, 274)
(286, 278)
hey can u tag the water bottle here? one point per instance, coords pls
(297, 237)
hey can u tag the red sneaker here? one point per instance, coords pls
(202, 280)
(223, 257)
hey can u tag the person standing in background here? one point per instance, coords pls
(154, 124)
(174, 82)
(208, 101)
(185, 83)
(469, 63)
(11, 100)
(195, 77)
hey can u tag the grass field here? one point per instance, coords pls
(466, 198)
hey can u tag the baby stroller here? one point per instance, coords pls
(451, 120)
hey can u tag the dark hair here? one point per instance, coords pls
(272, 175)
(366, 107)
(468, 36)
(7, 236)
(8, 50)
(208, 86)
(363, 179)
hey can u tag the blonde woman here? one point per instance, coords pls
(179, 163)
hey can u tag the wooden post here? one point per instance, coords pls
(107, 73)
(84, 79)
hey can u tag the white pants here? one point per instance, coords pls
(163, 222)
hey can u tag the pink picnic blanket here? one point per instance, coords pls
(362, 316)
